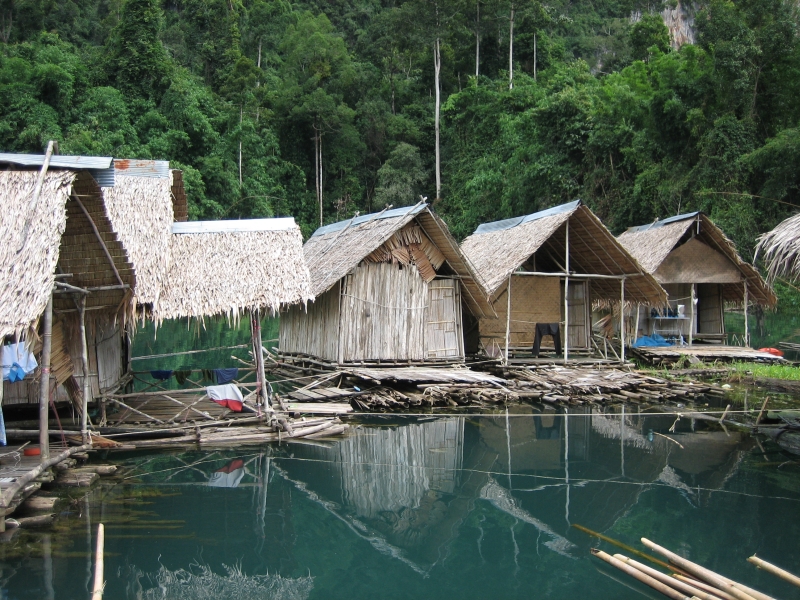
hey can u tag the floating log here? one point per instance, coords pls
(38, 504)
(735, 589)
(704, 586)
(37, 521)
(679, 585)
(99, 583)
(770, 568)
(627, 548)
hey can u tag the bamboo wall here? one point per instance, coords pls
(383, 314)
(314, 331)
(533, 300)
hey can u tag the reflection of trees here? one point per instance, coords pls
(199, 582)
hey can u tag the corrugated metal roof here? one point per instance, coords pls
(100, 167)
(388, 214)
(135, 167)
(235, 226)
(514, 222)
(663, 222)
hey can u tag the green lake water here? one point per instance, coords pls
(416, 507)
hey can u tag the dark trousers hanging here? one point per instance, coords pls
(543, 329)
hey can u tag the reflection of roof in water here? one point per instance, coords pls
(609, 426)
(199, 582)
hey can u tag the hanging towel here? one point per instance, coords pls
(161, 375)
(17, 362)
(182, 374)
(225, 375)
(228, 476)
(227, 395)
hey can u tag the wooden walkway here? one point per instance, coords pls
(13, 465)
(706, 353)
(418, 375)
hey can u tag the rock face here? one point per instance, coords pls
(680, 22)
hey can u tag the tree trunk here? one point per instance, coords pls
(511, 49)
(241, 111)
(478, 40)
(437, 67)
(534, 56)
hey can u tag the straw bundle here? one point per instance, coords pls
(409, 245)
(781, 248)
(141, 213)
(227, 273)
(26, 278)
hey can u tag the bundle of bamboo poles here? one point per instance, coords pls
(688, 580)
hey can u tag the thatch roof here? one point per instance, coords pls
(497, 250)
(780, 249)
(226, 267)
(141, 211)
(59, 237)
(652, 244)
(335, 250)
(26, 278)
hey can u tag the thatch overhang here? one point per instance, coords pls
(335, 250)
(497, 250)
(61, 233)
(227, 267)
(653, 244)
(780, 249)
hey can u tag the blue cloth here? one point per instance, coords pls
(222, 376)
(161, 375)
(3, 441)
(17, 362)
(651, 341)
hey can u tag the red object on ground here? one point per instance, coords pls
(234, 405)
(774, 351)
(32, 451)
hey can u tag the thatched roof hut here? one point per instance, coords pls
(535, 254)
(700, 269)
(780, 249)
(227, 267)
(146, 199)
(389, 287)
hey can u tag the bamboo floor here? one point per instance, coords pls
(705, 353)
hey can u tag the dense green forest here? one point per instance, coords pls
(291, 108)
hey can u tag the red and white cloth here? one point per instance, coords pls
(227, 395)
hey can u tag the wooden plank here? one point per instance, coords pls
(325, 408)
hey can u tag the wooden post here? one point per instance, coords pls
(44, 383)
(691, 315)
(566, 295)
(746, 324)
(622, 318)
(97, 592)
(508, 317)
(85, 364)
(636, 325)
(255, 320)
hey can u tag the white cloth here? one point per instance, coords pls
(229, 391)
(19, 354)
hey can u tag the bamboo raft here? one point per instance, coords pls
(668, 355)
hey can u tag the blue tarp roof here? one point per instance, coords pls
(510, 223)
(663, 222)
(389, 214)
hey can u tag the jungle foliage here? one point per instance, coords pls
(268, 104)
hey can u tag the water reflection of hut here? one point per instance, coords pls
(389, 286)
(701, 270)
(525, 263)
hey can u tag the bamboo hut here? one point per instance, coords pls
(780, 249)
(702, 272)
(62, 261)
(549, 268)
(390, 287)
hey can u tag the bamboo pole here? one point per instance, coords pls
(704, 586)
(761, 412)
(508, 317)
(746, 323)
(44, 383)
(622, 318)
(770, 568)
(691, 322)
(97, 593)
(257, 348)
(52, 147)
(735, 589)
(85, 366)
(639, 575)
(679, 585)
(566, 294)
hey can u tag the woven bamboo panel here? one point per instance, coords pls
(313, 330)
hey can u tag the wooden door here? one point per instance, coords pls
(443, 335)
(578, 314)
(709, 308)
